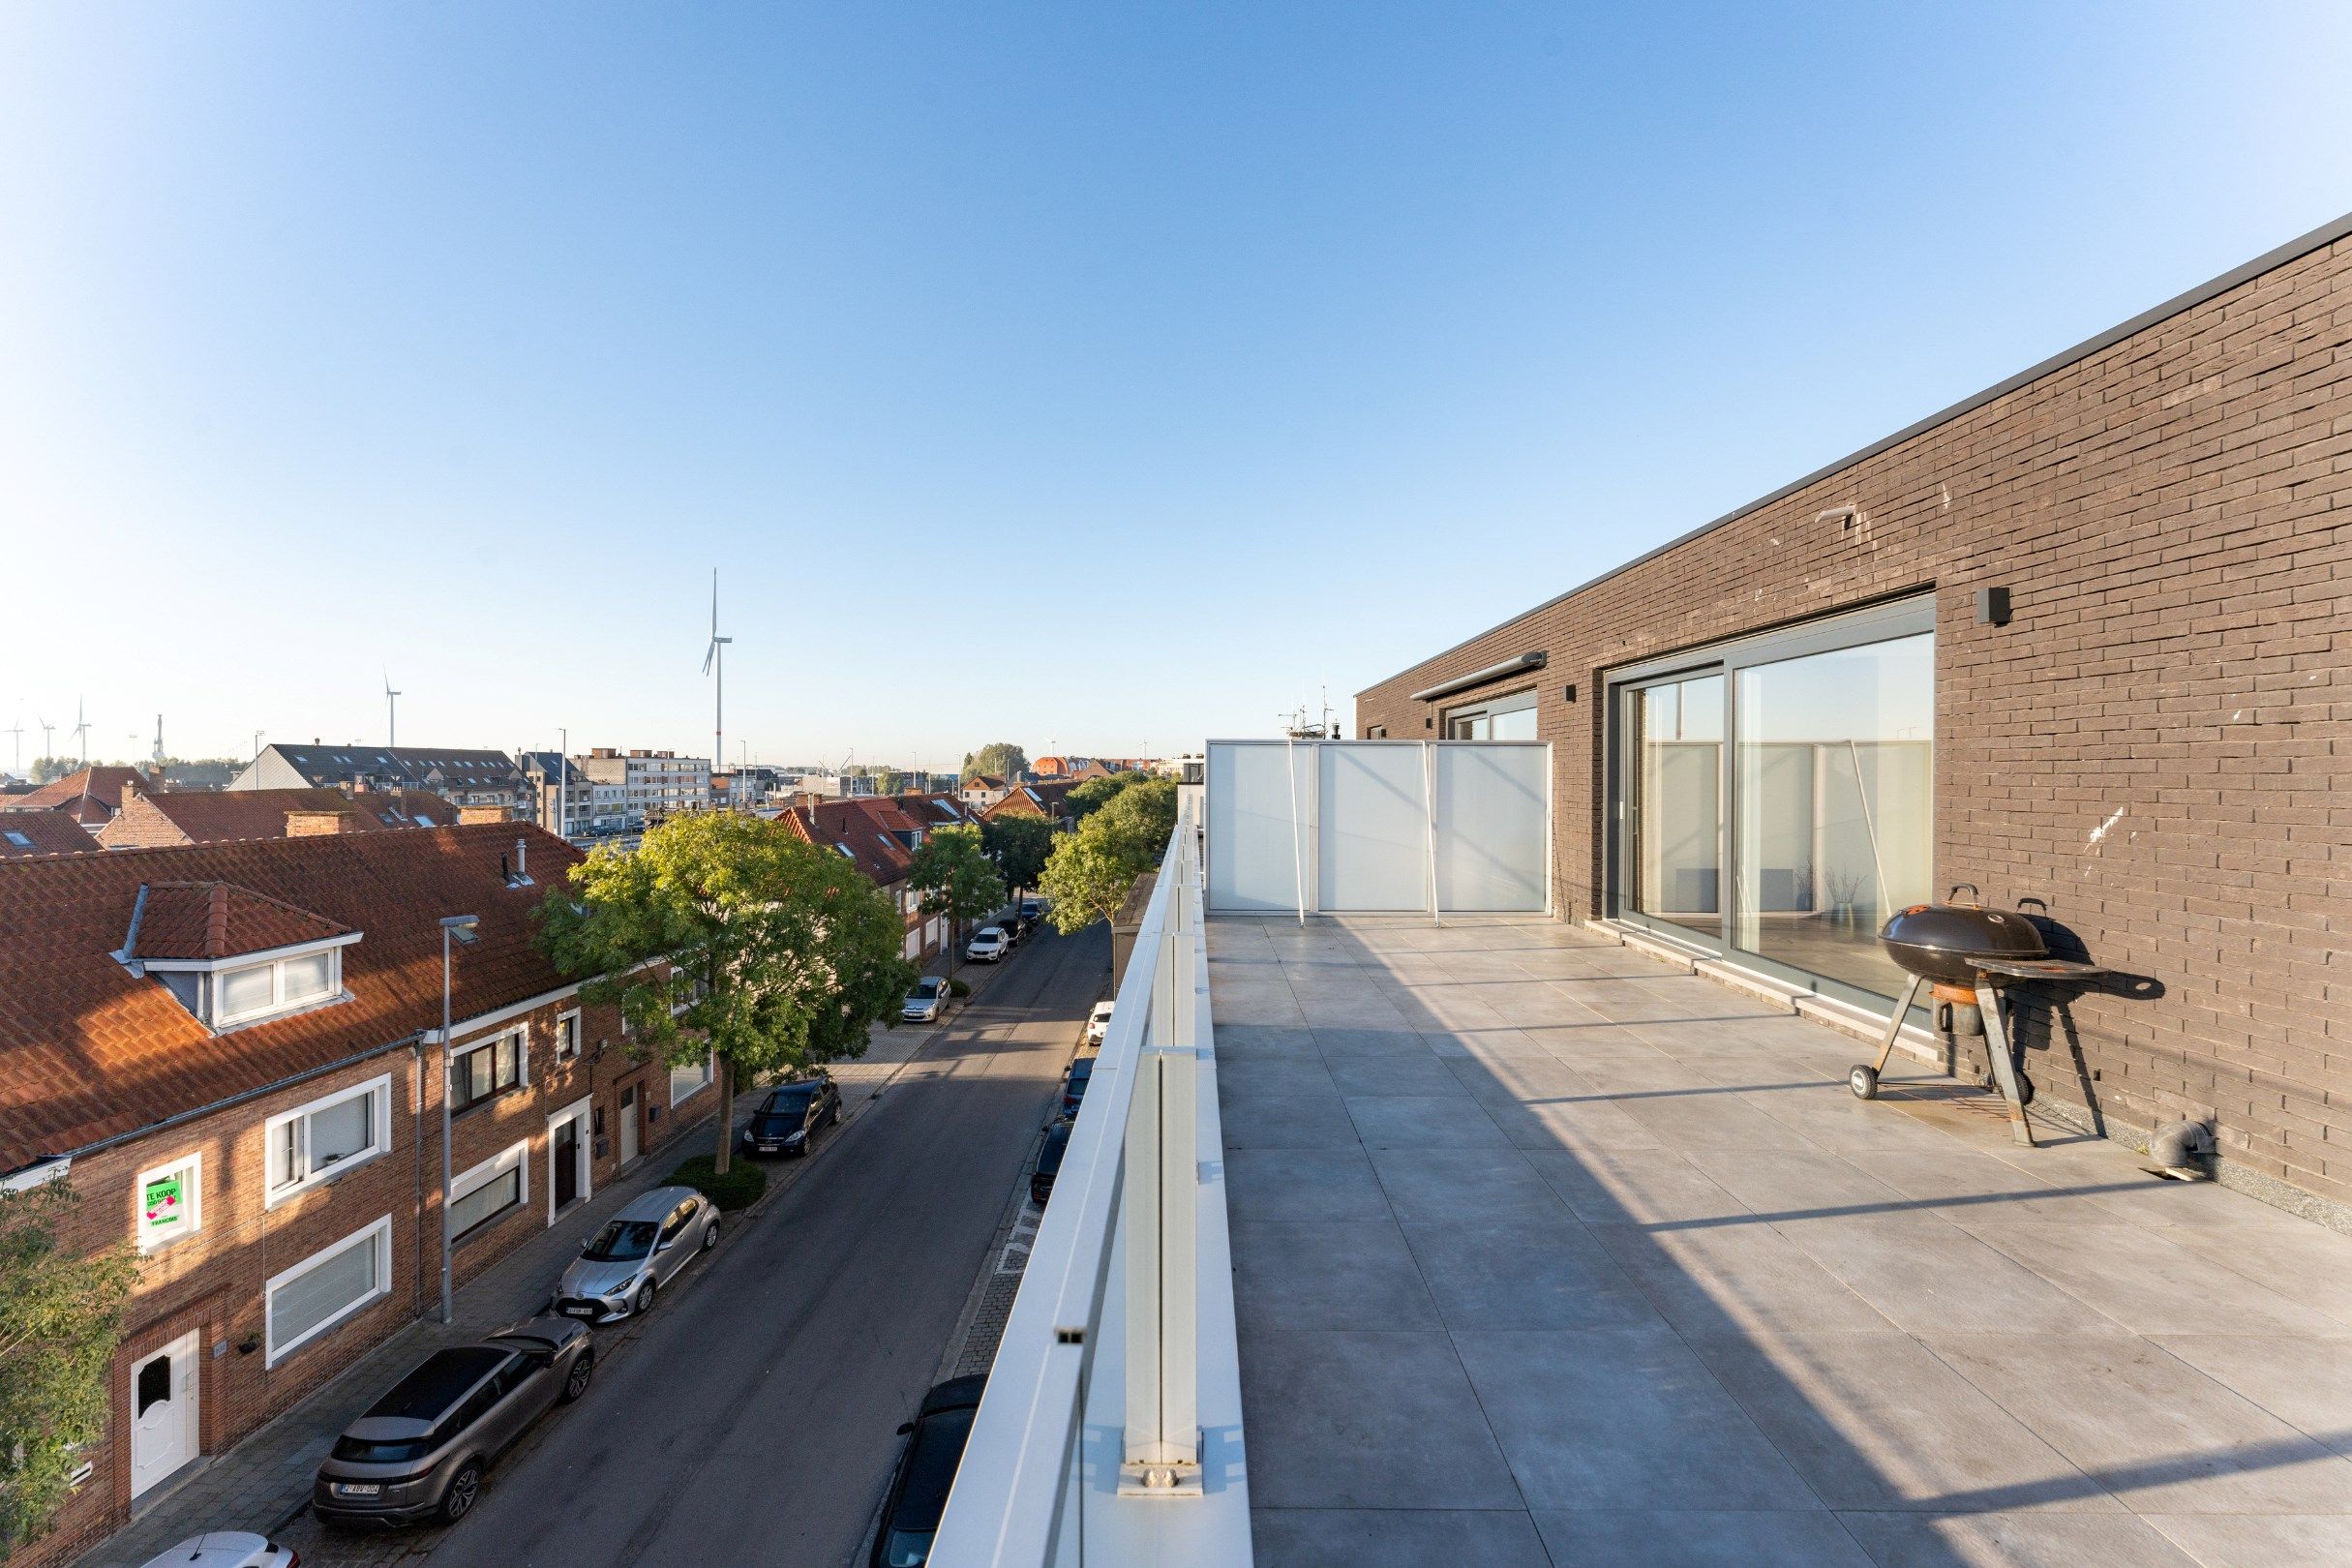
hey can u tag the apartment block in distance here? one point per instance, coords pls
(2076, 647)
(650, 785)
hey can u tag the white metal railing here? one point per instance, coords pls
(1118, 1356)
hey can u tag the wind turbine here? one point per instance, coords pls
(714, 663)
(46, 730)
(391, 714)
(17, 733)
(81, 729)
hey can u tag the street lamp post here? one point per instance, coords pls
(462, 928)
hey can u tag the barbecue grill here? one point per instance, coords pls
(1968, 954)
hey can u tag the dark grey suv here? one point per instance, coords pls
(419, 1452)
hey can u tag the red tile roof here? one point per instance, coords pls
(46, 832)
(219, 919)
(100, 787)
(862, 826)
(217, 816)
(89, 1051)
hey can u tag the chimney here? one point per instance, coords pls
(468, 815)
(131, 792)
(317, 824)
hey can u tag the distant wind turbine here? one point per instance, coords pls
(46, 730)
(17, 733)
(391, 712)
(82, 731)
(714, 663)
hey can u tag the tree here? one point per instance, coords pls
(1019, 847)
(1092, 869)
(956, 879)
(731, 936)
(1096, 793)
(1002, 757)
(47, 770)
(60, 1325)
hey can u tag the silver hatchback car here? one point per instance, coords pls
(640, 1250)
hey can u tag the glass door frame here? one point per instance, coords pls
(1906, 616)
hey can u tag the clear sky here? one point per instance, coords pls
(1099, 375)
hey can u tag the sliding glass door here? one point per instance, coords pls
(1789, 846)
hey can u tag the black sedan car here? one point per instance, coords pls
(1073, 1086)
(1050, 1161)
(786, 1122)
(419, 1452)
(919, 1491)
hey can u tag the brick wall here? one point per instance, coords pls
(212, 1281)
(140, 825)
(2159, 743)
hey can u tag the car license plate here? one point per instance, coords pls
(357, 1488)
(771, 1148)
(579, 1312)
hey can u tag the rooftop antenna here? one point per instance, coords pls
(714, 661)
(257, 734)
(391, 714)
(82, 731)
(159, 742)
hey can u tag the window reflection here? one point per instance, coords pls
(1676, 822)
(1835, 759)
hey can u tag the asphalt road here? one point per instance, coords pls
(755, 1419)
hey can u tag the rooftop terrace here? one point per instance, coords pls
(1544, 1253)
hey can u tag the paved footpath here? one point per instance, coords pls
(264, 1482)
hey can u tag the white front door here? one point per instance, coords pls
(163, 1412)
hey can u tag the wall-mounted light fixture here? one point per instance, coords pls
(1568, 692)
(1992, 607)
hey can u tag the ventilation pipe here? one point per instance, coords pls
(522, 858)
(2183, 1150)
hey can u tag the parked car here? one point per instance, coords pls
(419, 1452)
(1097, 1024)
(1050, 1161)
(640, 1250)
(786, 1122)
(228, 1549)
(927, 1469)
(1015, 932)
(987, 944)
(1073, 1086)
(1032, 909)
(927, 1002)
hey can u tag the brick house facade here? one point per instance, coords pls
(2154, 735)
(110, 1081)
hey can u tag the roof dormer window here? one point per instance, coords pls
(232, 956)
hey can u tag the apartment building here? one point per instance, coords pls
(233, 1053)
(2075, 645)
(651, 785)
(480, 779)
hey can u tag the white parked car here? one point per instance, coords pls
(1098, 1023)
(987, 944)
(927, 1002)
(228, 1549)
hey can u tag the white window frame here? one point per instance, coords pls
(192, 1192)
(568, 1019)
(514, 1157)
(380, 1124)
(520, 1034)
(709, 1077)
(380, 1233)
(279, 1001)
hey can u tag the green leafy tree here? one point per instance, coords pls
(956, 879)
(731, 936)
(1096, 793)
(60, 1325)
(47, 770)
(1092, 869)
(1019, 847)
(1002, 757)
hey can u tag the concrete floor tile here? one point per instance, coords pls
(1352, 1420)
(1463, 1184)
(1393, 1538)
(1258, 1043)
(1799, 1183)
(2305, 1262)
(1276, 1075)
(1419, 1074)
(2305, 1383)
(2153, 1430)
(1422, 1122)
(1328, 1275)
(1283, 1121)
(1277, 1184)
(1696, 1538)
(1875, 1420)
(2012, 1541)
(2146, 1282)
(1635, 1186)
(1709, 1118)
(1336, 1044)
(1929, 1275)
(1536, 1273)
(1736, 1277)
(1967, 1186)
(2260, 1540)
(1622, 1418)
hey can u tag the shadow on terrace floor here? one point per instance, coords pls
(1546, 1255)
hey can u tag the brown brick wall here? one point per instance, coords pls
(212, 1281)
(140, 825)
(2173, 514)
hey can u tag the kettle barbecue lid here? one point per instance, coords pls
(1965, 928)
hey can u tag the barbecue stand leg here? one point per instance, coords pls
(1864, 1081)
(2005, 1065)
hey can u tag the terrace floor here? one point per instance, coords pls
(1546, 1255)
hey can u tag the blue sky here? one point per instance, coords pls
(1104, 376)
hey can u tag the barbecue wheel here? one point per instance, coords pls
(1863, 1079)
(2025, 1089)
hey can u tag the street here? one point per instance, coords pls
(754, 1417)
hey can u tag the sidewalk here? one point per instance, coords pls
(266, 1481)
